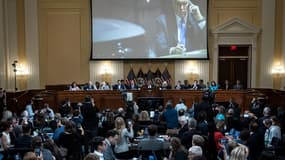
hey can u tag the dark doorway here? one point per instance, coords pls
(233, 64)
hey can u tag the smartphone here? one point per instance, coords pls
(224, 140)
(38, 152)
(151, 114)
(129, 122)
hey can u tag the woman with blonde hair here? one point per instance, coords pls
(122, 147)
(144, 116)
(239, 153)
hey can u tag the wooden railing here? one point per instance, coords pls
(112, 99)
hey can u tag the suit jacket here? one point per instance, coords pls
(240, 86)
(167, 35)
(116, 87)
(108, 153)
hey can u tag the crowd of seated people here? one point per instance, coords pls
(123, 85)
(176, 131)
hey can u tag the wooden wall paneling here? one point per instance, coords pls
(64, 41)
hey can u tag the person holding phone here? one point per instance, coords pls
(40, 151)
(125, 133)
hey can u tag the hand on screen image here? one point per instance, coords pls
(179, 49)
(181, 30)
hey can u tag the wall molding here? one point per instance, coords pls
(237, 32)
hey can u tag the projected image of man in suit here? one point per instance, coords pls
(181, 28)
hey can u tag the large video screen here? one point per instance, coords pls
(149, 29)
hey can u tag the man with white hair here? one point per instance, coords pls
(183, 121)
(194, 151)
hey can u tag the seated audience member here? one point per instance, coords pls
(89, 86)
(238, 85)
(99, 145)
(226, 85)
(111, 140)
(24, 141)
(152, 143)
(74, 87)
(179, 85)
(194, 151)
(178, 151)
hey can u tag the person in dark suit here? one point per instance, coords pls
(152, 144)
(226, 85)
(232, 104)
(90, 120)
(132, 85)
(204, 106)
(89, 86)
(111, 139)
(120, 85)
(24, 141)
(176, 25)
(238, 85)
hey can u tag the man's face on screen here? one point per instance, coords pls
(181, 7)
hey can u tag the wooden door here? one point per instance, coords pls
(233, 65)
